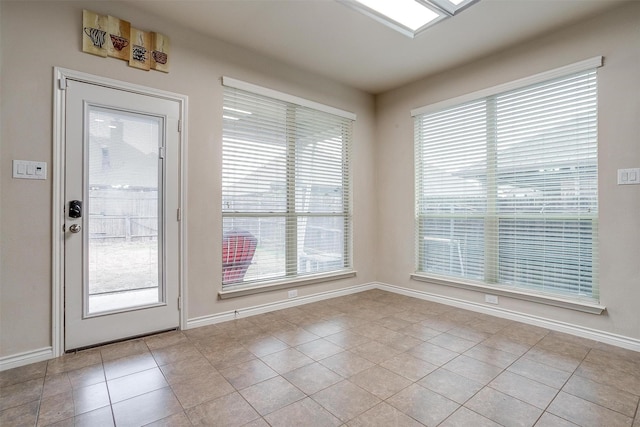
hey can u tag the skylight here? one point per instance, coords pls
(409, 13)
(410, 17)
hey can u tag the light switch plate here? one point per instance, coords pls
(27, 169)
(629, 176)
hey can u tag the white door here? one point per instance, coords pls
(121, 189)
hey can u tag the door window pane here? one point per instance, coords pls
(123, 208)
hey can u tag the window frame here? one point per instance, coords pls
(590, 305)
(291, 215)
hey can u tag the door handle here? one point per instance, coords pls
(75, 228)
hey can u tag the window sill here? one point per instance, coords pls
(584, 306)
(285, 284)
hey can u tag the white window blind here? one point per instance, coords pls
(506, 189)
(286, 184)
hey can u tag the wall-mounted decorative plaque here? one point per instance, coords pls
(119, 36)
(94, 33)
(140, 54)
(106, 35)
(160, 52)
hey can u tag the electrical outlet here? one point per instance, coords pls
(491, 299)
(293, 293)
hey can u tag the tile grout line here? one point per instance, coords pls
(298, 321)
(560, 390)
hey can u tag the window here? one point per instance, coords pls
(285, 187)
(506, 188)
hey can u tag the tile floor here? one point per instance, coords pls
(370, 359)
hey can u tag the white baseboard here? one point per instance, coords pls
(21, 359)
(278, 305)
(555, 325)
(46, 353)
(581, 331)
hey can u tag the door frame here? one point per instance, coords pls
(60, 77)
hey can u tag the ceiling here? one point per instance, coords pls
(338, 42)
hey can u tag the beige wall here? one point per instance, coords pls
(383, 156)
(36, 37)
(616, 36)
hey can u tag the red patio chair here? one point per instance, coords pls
(238, 248)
